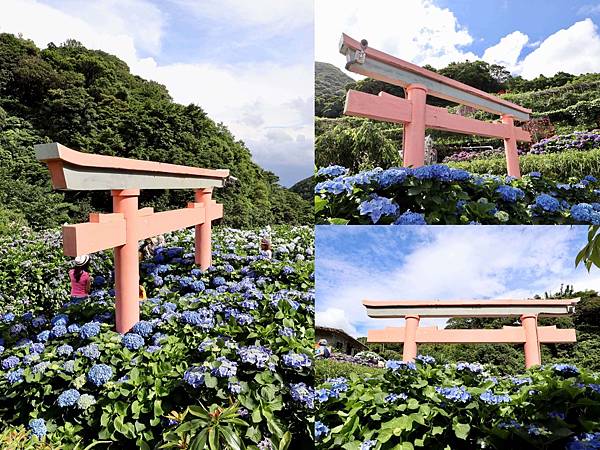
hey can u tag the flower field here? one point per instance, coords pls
(220, 359)
(459, 406)
(438, 194)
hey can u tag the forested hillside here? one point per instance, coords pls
(561, 104)
(305, 188)
(89, 101)
(330, 88)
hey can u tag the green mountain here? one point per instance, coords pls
(305, 188)
(330, 89)
(88, 100)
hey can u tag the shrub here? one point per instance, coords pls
(558, 166)
(326, 368)
(439, 194)
(458, 406)
(228, 370)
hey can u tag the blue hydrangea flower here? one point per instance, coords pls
(226, 369)
(320, 430)
(393, 176)
(68, 398)
(255, 355)
(286, 331)
(535, 174)
(14, 376)
(201, 317)
(99, 374)
(368, 444)
(332, 171)
(194, 376)
(234, 387)
(475, 368)
(510, 194)
(585, 441)
(565, 370)
(38, 427)
(60, 319)
(37, 347)
(74, 328)
(547, 203)
(143, 328)
(89, 330)
(69, 366)
(10, 362)
(585, 213)
(218, 281)
(43, 336)
(410, 218)
(378, 206)
(391, 398)
(64, 350)
(8, 317)
(297, 360)
(491, 399)
(400, 365)
(425, 359)
(303, 394)
(456, 394)
(132, 341)
(90, 351)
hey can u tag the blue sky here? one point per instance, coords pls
(248, 64)
(530, 37)
(425, 263)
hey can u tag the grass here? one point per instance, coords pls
(325, 369)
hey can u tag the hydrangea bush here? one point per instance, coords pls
(219, 359)
(460, 406)
(438, 194)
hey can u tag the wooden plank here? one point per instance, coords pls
(389, 108)
(441, 119)
(383, 107)
(506, 335)
(163, 222)
(384, 67)
(85, 238)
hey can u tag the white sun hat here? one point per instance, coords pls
(82, 260)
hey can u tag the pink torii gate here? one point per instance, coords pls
(71, 170)
(529, 333)
(416, 115)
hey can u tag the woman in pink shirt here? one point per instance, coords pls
(80, 278)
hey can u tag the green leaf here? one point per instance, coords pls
(461, 429)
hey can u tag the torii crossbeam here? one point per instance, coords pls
(529, 333)
(416, 115)
(71, 170)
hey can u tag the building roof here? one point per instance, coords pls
(342, 333)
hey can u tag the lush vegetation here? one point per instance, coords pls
(330, 87)
(438, 194)
(89, 101)
(428, 404)
(220, 359)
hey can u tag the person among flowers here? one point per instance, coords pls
(322, 350)
(81, 281)
(265, 248)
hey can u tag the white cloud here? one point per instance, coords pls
(335, 318)
(250, 98)
(574, 50)
(455, 263)
(589, 9)
(507, 51)
(273, 16)
(414, 30)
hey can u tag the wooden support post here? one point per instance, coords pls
(414, 131)
(533, 356)
(510, 148)
(127, 269)
(204, 230)
(409, 349)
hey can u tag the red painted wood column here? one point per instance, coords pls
(127, 265)
(533, 355)
(204, 230)
(409, 349)
(510, 148)
(414, 131)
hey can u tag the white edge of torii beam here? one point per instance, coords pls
(77, 171)
(469, 308)
(384, 67)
